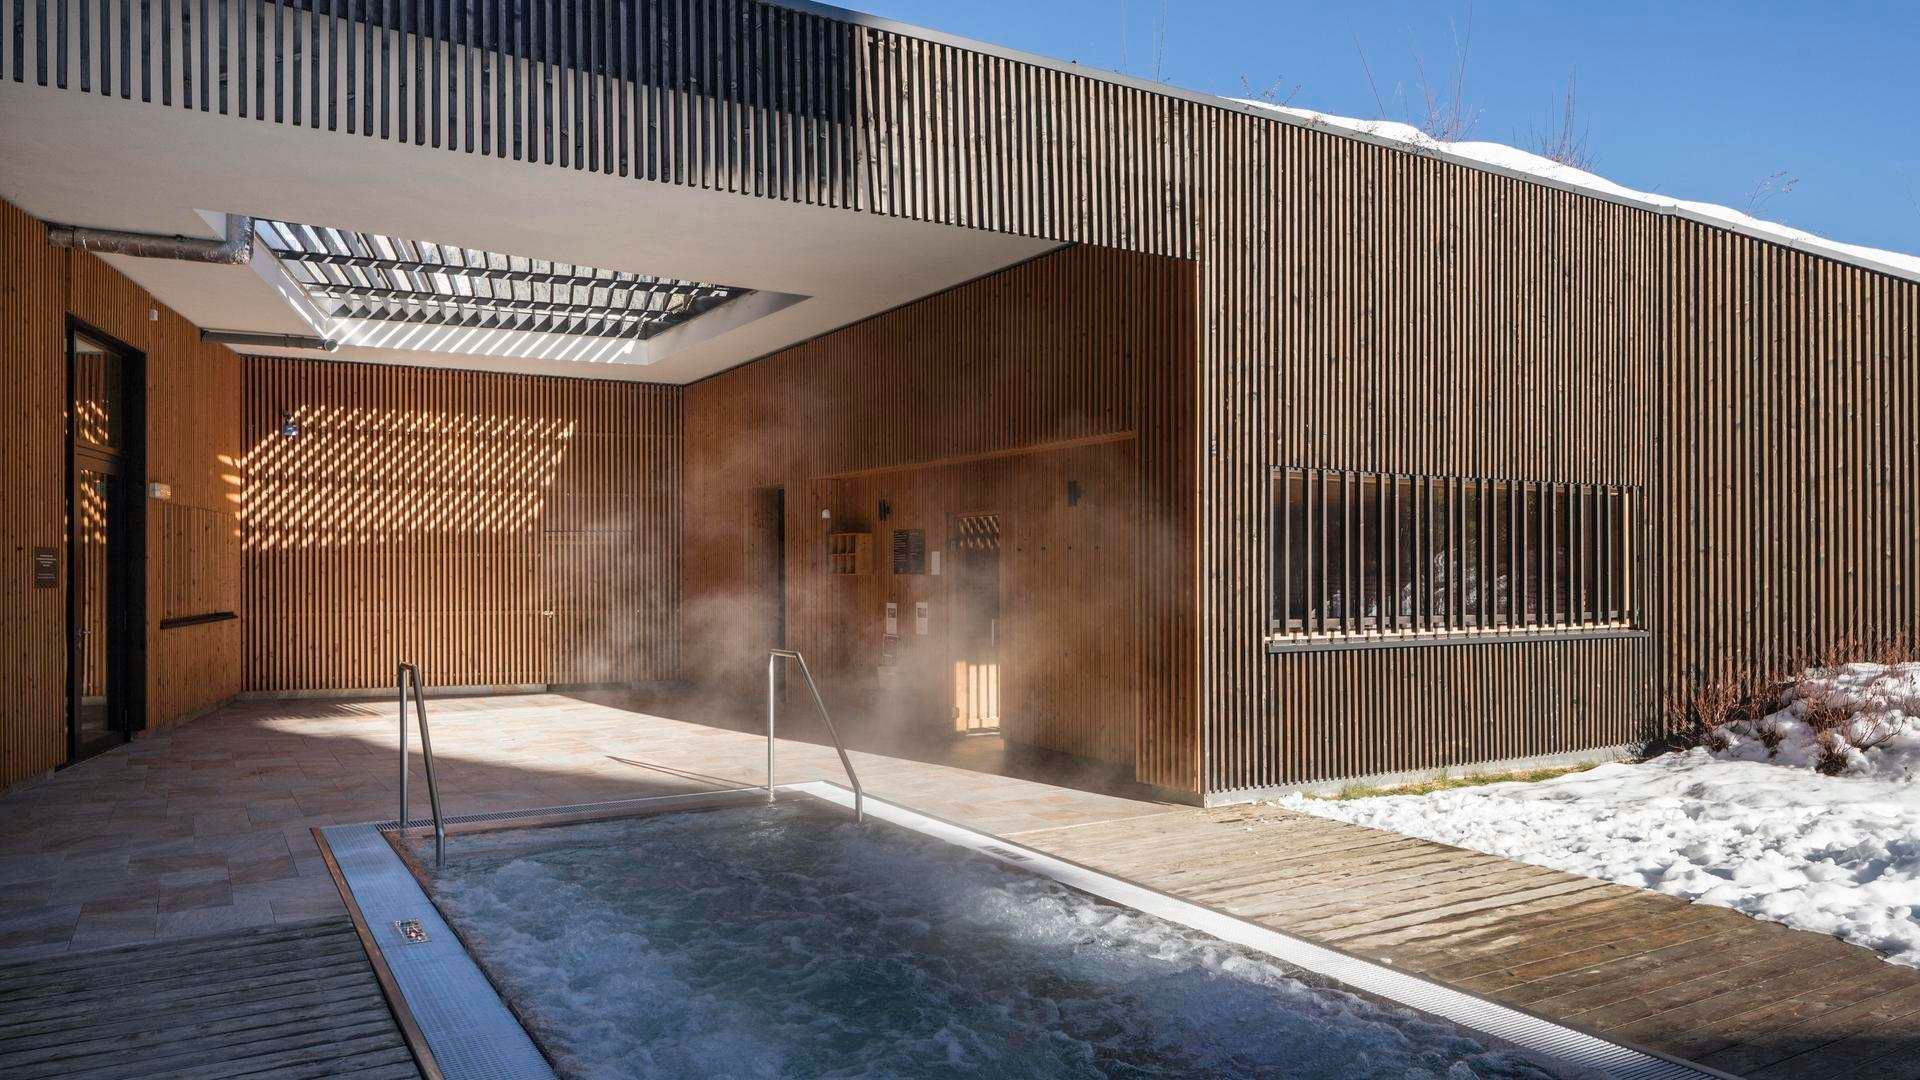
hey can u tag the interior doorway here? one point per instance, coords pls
(767, 568)
(974, 543)
(105, 538)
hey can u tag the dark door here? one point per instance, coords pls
(103, 561)
(974, 583)
(767, 569)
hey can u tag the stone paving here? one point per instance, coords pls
(207, 827)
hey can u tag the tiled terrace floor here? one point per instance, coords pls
(207, 827)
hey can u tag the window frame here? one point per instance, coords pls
(1410, 559)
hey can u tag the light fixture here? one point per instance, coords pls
(289, 427)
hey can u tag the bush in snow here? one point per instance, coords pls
(1830, 718)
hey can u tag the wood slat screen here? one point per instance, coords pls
(1361, 555)
(498, 530)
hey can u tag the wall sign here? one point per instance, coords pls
(46, 568)
(893, 620)
(920, 619)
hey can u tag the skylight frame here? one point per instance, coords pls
(381, 278)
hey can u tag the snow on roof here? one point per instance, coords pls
(1506, 159)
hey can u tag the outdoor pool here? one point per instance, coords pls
(787, 941)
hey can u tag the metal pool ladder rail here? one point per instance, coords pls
(773, 687)
(410, 674)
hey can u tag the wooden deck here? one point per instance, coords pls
(1702, 983)
(288, 1002)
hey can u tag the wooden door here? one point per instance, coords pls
(974, 542)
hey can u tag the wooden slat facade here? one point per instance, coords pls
(497, 530)
(33, 666)
(983, 398)
(191, 443)
(1359, 306)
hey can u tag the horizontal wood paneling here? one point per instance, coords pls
(495, 529)
(1059, 356)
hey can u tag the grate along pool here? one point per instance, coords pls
(786, 941)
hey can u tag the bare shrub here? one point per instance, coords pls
(1443, 112)
(1564, 140)
(1695, 711)
(1835, 753)
(1276, 93)
(1896, 650)
(1843, 650)
(1769, 188)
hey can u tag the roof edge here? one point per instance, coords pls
(1838, 251)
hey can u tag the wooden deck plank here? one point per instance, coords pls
(1680, 978)
(293, 1001)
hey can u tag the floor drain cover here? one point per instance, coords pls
(411, 930)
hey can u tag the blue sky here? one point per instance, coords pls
(1699, 100)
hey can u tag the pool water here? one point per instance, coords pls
(786, 941)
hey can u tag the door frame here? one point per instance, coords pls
(127, 542)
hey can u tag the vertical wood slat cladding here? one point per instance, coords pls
(1082, 345)
(1793, 458)
(33, 658)
(191, 440)
(496, 529)
(1382, 311)
(192, 410)
(1362, 307)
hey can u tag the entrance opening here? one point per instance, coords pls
(974, 598)
(105, 537)
(767, 567)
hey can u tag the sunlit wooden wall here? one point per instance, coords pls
(497, 530)
(1000, 389)
(191, 443)
(33, 665)
(1791, 461)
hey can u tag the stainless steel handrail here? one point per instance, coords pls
(773, 686)
(411, 673)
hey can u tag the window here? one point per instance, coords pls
(1374, 554)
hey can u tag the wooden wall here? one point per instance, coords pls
(1359, 306)
(494, 529)
(192, 442)
(33, 663)
(987, 397)
(1792, 463)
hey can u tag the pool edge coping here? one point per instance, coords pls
(1555, 1040)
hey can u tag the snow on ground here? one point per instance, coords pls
(1768, 836)
(1507, 157)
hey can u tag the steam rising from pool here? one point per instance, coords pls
(787, 942)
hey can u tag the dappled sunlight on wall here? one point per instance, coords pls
(498, 530)
(340, 476)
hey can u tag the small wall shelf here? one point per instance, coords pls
(850, 553)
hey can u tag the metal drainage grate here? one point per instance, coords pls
(411, 930)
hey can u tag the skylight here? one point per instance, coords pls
(357, 275)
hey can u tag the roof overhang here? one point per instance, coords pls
(794, 271)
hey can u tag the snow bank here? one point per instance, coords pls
(1511, 158)
(1835, 854)
(1864, 716)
